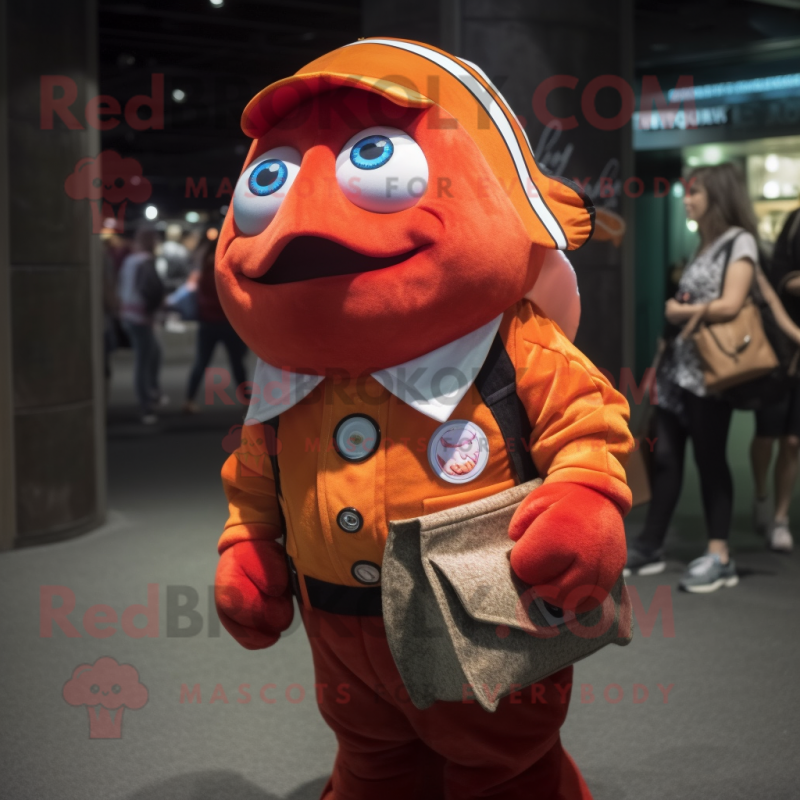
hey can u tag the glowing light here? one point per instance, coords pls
(178, 95)
(211, 234)
(691, 225)
(712, 155)
(693, 161)
(192, 216)
(223, 210)
(677, 189)
(151, 212)
(772, 163)
(217, 3)
(771, 190)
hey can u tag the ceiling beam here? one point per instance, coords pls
(307, 5)
(215, 22)
(768, 48)
(793, 4)
(181, 42)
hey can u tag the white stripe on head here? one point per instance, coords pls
(497, 116)
(500, 96)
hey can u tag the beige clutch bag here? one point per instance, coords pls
(457, 618)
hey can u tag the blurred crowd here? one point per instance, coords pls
(154, 278)
(157, 276)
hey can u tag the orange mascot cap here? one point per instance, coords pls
(423, 271)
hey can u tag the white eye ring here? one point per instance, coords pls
(260, 190)
(390, 175)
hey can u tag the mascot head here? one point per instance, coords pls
(390, 204)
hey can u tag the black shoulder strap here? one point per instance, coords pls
(727, 248)
(272, 450)
(794, 239)
(497, 385)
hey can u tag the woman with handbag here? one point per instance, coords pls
(713, 288)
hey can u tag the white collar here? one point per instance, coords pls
(433, 384)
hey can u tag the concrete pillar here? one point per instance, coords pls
(52, 421)
(7, 489)
(520, 43)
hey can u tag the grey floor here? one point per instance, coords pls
(729, 728)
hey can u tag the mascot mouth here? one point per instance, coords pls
(309, 257)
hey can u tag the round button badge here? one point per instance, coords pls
(366, 572)
(356, 437)
(349, 520)
(458, 451)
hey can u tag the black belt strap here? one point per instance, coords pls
(357, 601)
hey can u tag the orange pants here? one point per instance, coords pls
(391, 750)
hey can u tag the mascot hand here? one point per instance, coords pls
(252, 593)
(570, 544)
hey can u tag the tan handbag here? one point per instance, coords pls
(459, 622)
(637, 473)
(732, 352)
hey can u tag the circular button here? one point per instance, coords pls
(554, 610)
(349, 520)
(366, 572)
(356, 437)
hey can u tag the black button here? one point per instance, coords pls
(366, 572)
(554, 610)
(349, 520)
(356, 437)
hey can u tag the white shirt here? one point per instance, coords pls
(435, 382)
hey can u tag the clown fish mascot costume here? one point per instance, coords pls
(391, 248)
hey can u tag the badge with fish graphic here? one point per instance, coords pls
(458, 451)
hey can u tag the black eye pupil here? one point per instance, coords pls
(96, 182)
(119, 183)
(95, 688)
(372, 151)
(267, 175)
(116, 688)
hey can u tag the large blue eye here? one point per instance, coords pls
(372, 152)
(268, 177)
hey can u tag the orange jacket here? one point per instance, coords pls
(580, 435)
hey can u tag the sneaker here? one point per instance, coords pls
(780, 538)
(149, 419)
(762, 515)
(640, 563)
(707, 574)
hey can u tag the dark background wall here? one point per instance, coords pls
(518, 44)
